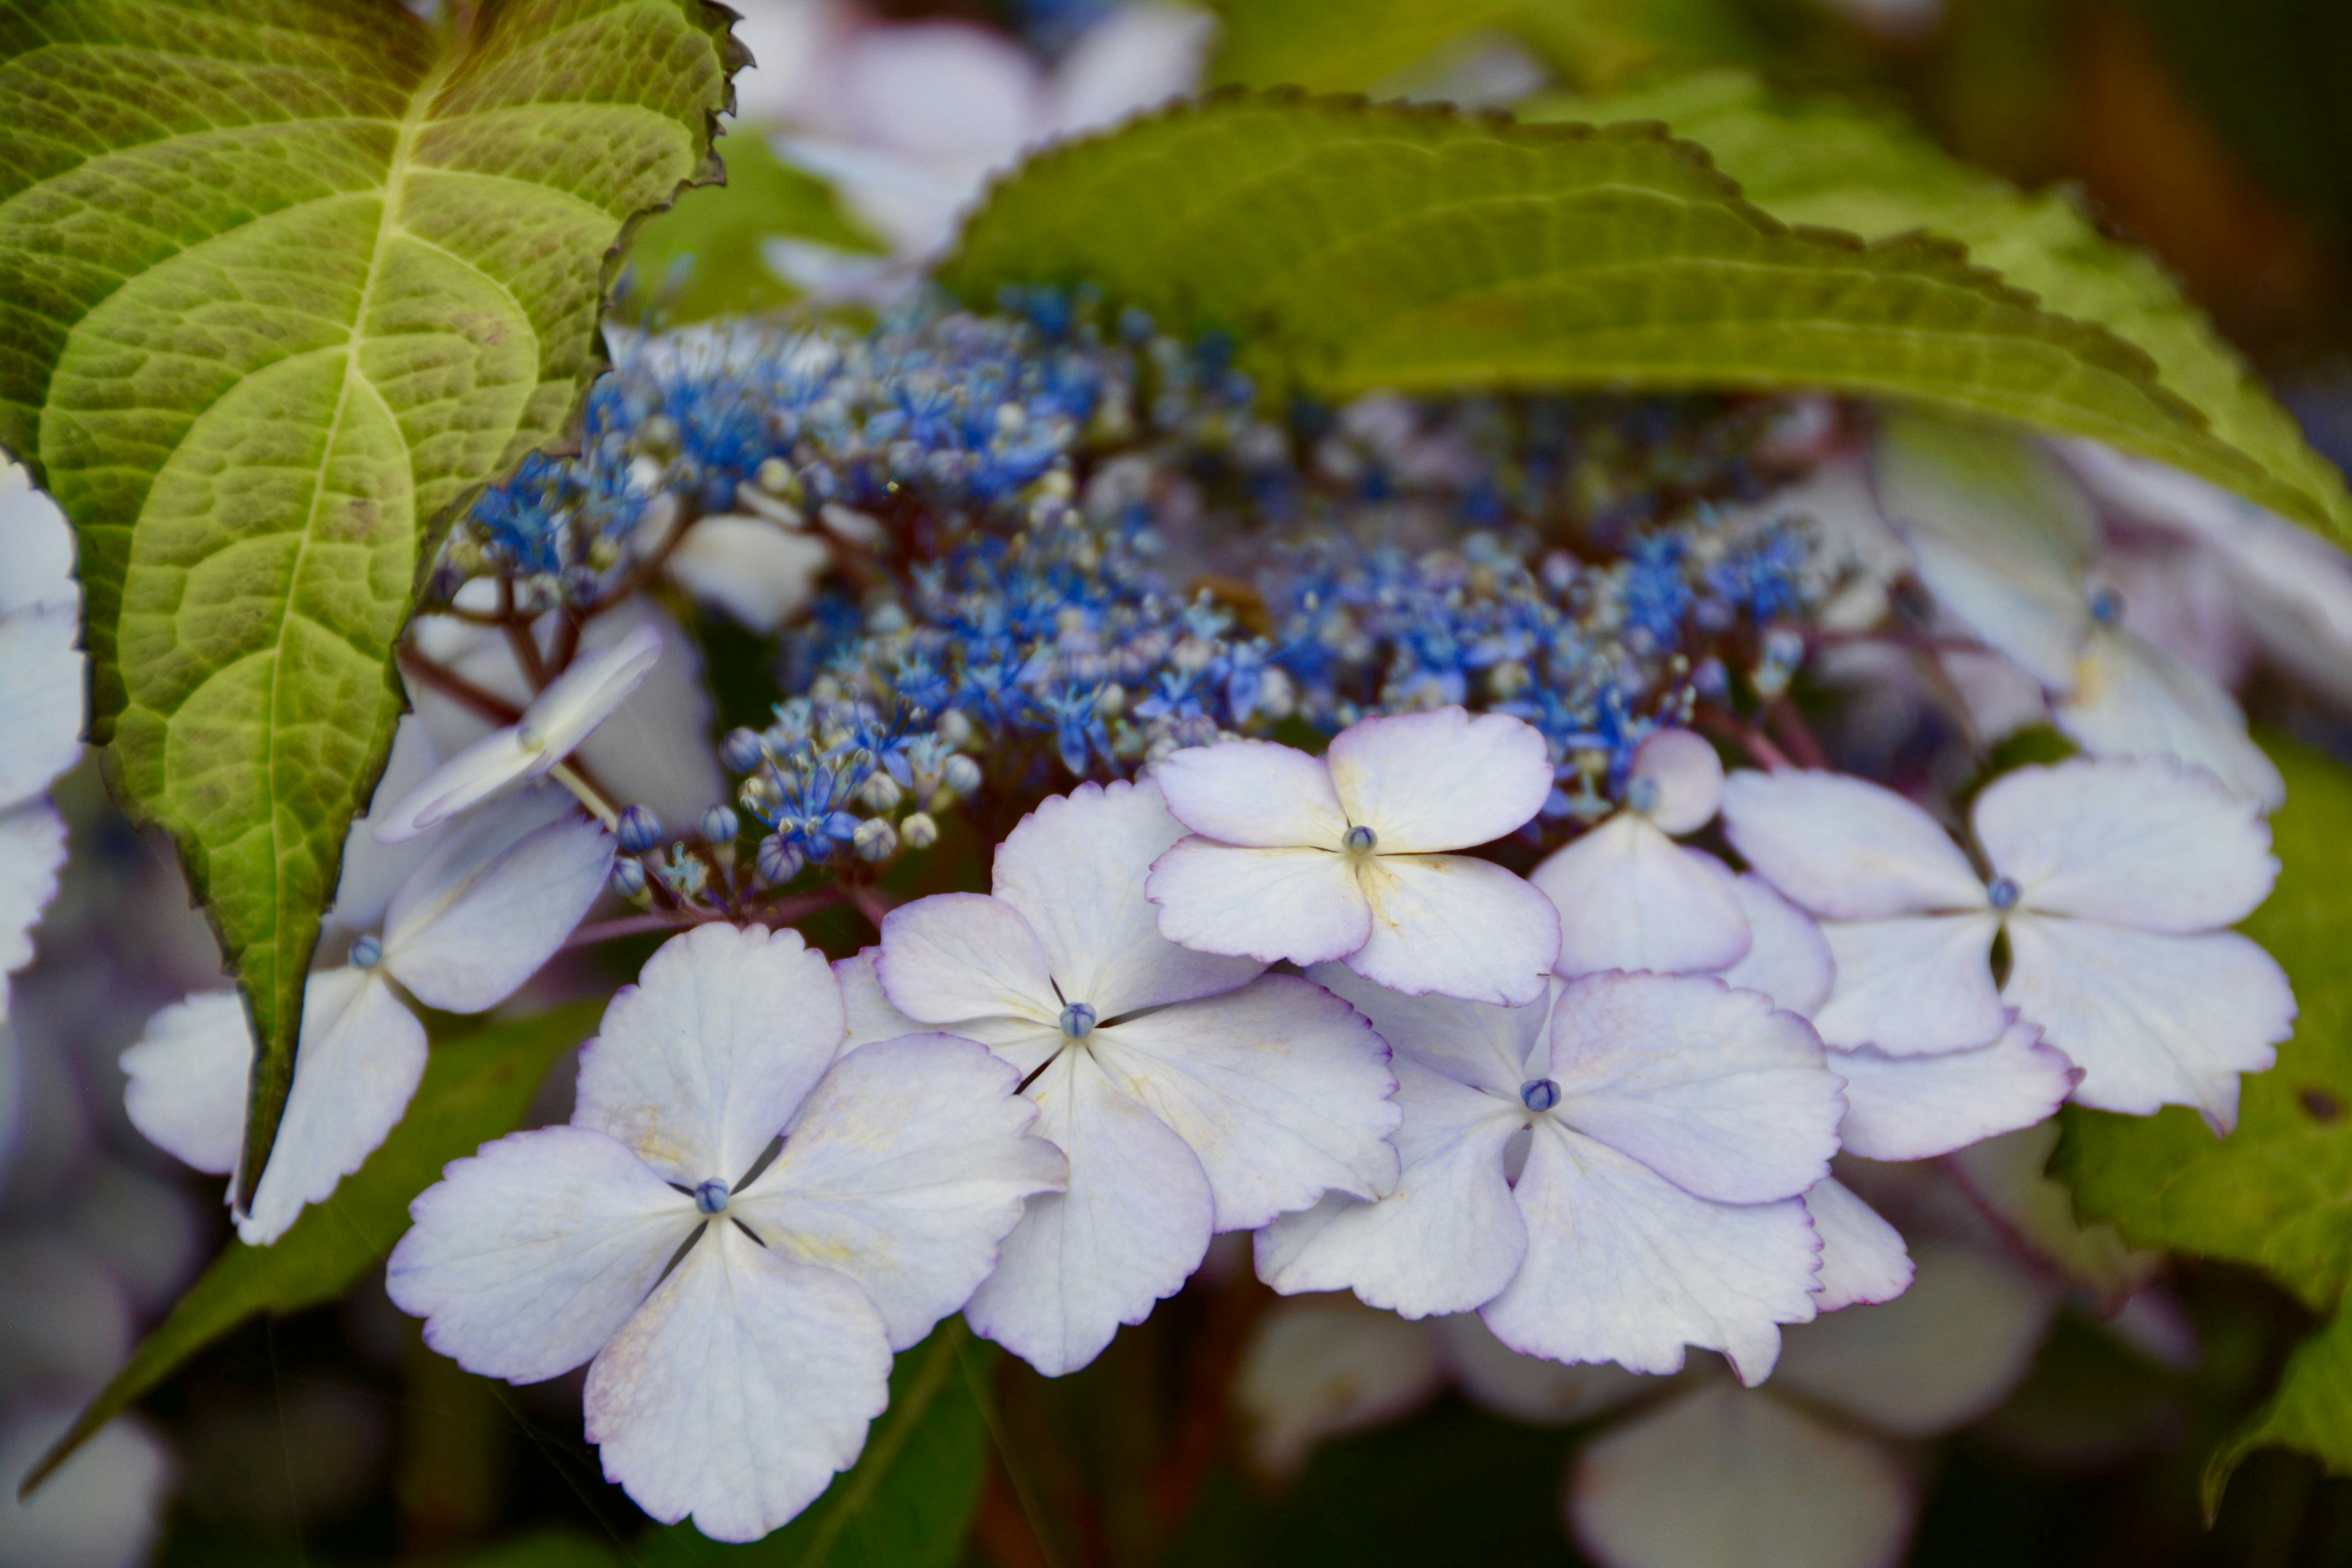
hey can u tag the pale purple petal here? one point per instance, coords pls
(1075, 868)
(1440, 779)
(704, 1060)
(560, 718)
(1631, 898)
(2132, 698)
(1458, 926)
(757, 573)
(2145, 844)
(2152, 1020)
(1281, 1088)
(36, 547)
(1864, 1260)
(2032, 1212)
(957, 956)
(484, 768)
(31, 853)
(1915, 1108)
(1844, 848)
(1448, 1240)
(1720, 1475)
(739, 1390)
(1913, 987)
(1528, 1388)
(1138, 56)
(187, 1080)
(1788, 958)
(1623, 1266)
(525, 1258)
(484, 912)
(1684, 778)
(866, 1006)
(1304, 905)
(907, 1165)
(1320, 1369)
(1712, 1088)
(1130, 1229)
(41, 698)
(374, 871)
(1252, 792)
(1477, 1042)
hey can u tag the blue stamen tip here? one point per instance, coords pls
(1539, 1094)
(1360, 840)
(711, 1197)
(1077, 1021)
(367, 952)
(2004, 892)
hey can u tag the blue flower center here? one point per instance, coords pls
(367, 952)
(1642, 795)
(1539, 1094)
(2106, 606)
(2002, 892)
(1360, 840)
(711, 1197)
(1077, 1021)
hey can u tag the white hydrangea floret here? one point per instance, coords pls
(1346, 855)
(737, 1318)
(41, 707)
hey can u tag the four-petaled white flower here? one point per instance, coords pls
(1192, 1093)
(1343, 856)
(558, 720)
(41, 707)
(1670, 1128)
(2112, 879)
(474, 921)
(1629, 897)
(731, 1378)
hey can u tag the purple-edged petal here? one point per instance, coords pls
(739, 1390)
(2132, 698)
(1281, 1088)
(1254, 793)
(1457, 926)
(956, 956)
(1948, 1351)
(1304, 905)
(1719, 1477)
(1915, 1108)
(1624, 1266)
(1913, 987)
(704, 1060)
(1684, 778)
(486, 909)
(1631, 898)
(1788, 957)
(1320, 1369)
(1844, 848)
(1478, 1043)
(867, 1006)
(1075, 868)
(1712, 1088)
(2152, 1020)
(1440, 779)
(907, 1165)
(526, 1257)
(1864, 1260)
(2145, 844)
(186, 1080)
(1130, 1229)
(1528, 1388)
(1450, 1238)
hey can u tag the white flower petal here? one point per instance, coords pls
(1130, 1229)
(2151, 1019)
(1844, 848)
(2000, 534)
(1687, 776)
(1528, 1388)
(103, 1509)
(2007, 1178)
(1304, 905)
(1075, 868)
(907, 1166)
(587, 694)
(41, 701)
(374, 871)
(31, 853)
(1915, 1108)
(1912, 987)
(1452, 924)
(739, 1390)
(1476, 1043)
(2132, 698)
(526, 1257)
(36, 547)
(1281, 1088)
(1788, 958)
(1631, 898)
(1623, 1266)
(1720, 1477)
(1946, 1352)
(1254, 793)
(704, 1060)
(958, 956)
(866, 1006)
(1138, 56)
(1864, 1259)
(188, 1080)
(756, 572)
(491, 763)
(479, 918)
(2144, 843)
(1321, 1369)
(1440, 779)
(1712, 1088)
(1447, 1240)
(360, 1057)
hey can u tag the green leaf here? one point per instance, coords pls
(280, 282)
(1828, 162)
(476, 1089)
(2278, 1193)
(908, 1501)
(702, 258)
(1367, 46)
(1351, 247)
(2311, 1411)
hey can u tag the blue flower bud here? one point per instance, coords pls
(1360, 840)
(367, 952)
(719, 825)
(779, 861)
(628, 877)
(711, 1197)
(1077, 1021)
(959, 773)
(639, 829)
(740, 750)
(2002, 891)
(1539, 1094)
